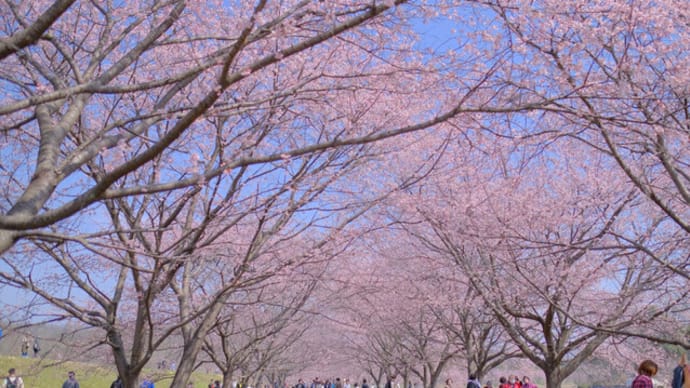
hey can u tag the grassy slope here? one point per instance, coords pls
(39, 373)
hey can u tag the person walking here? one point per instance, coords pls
(12, 380)
(645, 372)
(472, 382)
(25, 347)
(147, 383)
(71, 381)
(117, 383)
(389, 382)
(37, 347)
(681, 374)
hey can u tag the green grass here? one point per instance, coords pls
(38, 373)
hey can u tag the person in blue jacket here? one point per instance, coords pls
(681, 374)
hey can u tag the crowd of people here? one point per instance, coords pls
(147, 382)
(645, 372)
(472, 382)
(511, 381)
(332, 383)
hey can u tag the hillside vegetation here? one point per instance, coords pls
(44, 373)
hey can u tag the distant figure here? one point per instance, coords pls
(527, 383)
(25, 347)
(472, 382)
(503, 382)
(364, 383)
(147, 383)
(71, 381)
(489, 384)
(117, 383)
(12, 380)
(389, 382)
(449, 383)
(645, 372)
(37, 347)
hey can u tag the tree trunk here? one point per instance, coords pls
(192, 348)
(553, 378)
(129, 375)
(184, 371)
(227, 379)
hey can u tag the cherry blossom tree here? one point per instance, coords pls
(552, 259)
(245, 345)
(171, 251)
(623, 68)
(149, 132)
(161, 156)
(439, 320)
(399, 332)
(119, 84)
(626, 69)
(452, 302)
(485, 344)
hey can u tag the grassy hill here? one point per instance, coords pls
(43, 373)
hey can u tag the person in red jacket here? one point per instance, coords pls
(514, 382)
